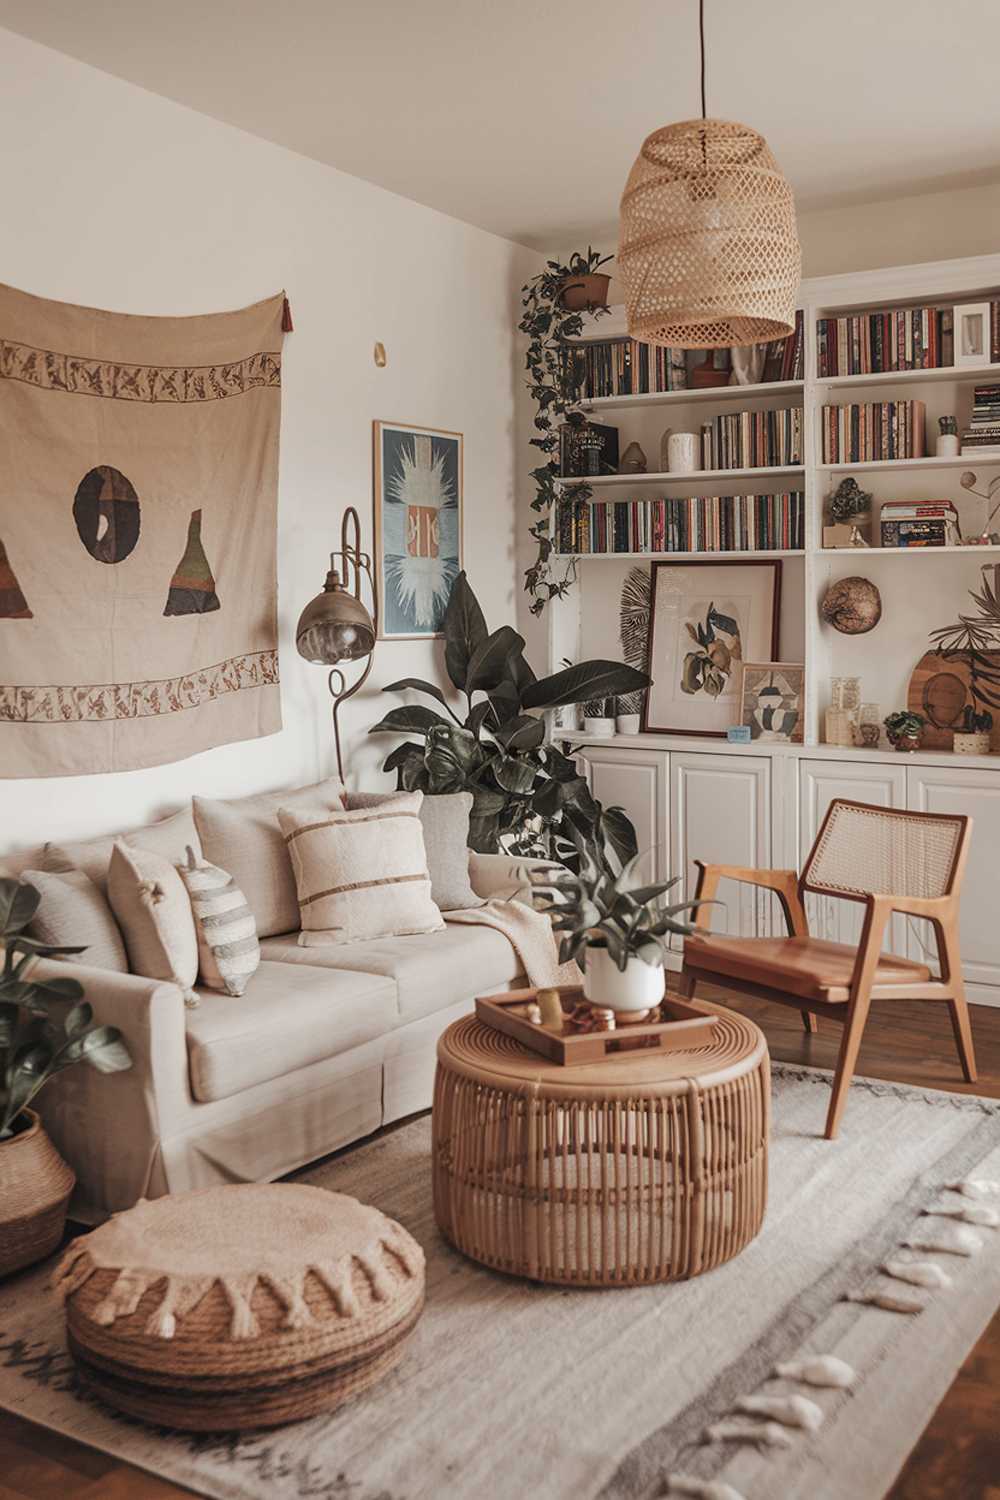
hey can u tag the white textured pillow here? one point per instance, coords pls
(73, 912)
(153, 910)
(228, 950)
(361, 874)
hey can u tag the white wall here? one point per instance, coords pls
(116, 198)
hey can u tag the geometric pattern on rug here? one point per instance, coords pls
(512, 1389)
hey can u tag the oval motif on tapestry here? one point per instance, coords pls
(106, 512)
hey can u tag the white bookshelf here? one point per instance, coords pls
(911, 607)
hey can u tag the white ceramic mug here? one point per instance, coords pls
(682, 452)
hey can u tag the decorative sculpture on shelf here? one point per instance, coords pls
(848, 506)
(852, 605)
(969, 479)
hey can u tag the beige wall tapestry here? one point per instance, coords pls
(138, 519)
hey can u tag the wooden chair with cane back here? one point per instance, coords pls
(889, 861)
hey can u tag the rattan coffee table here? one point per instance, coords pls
(624, 1172)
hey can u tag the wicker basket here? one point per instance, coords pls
(35, 1184)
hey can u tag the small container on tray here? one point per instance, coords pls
(683, 1025)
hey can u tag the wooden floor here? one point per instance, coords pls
(958, 1457)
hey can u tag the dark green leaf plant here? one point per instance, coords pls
(46, 1025)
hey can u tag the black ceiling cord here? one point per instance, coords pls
(701, 38)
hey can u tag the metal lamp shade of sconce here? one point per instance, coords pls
(336, 626)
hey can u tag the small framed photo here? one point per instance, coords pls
(707, 619)
(418, 527)
(972, 333)
(773, 701)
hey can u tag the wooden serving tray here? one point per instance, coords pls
(687, 1026)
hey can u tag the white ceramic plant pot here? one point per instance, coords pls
(601, 728)
(973, 744)
(628, 723)
(636, 987)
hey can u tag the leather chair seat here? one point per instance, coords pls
(809, 967)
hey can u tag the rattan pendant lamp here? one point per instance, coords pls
(708, 249)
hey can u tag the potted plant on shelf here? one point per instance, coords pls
(612, 927)
(599, 717)
(905, 729)
(974, 736)
(585, 287)
(850, 511)
(45, 1027)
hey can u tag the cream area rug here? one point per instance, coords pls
(511, 1390)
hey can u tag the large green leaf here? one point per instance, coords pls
(505, 700)
(452, 756)
(489, 663)
(588, 679)
(464, 630)
(524, 732)
(418, 685)
(78, 1019)
(18, 904)
(514, 775)
(520, 672)
(104, 1049)
(412, 718)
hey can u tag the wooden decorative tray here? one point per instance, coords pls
(683, 1026)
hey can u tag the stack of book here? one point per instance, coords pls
(919, 523)
(624, 367)
(983, 432)
(868, 431)
(752, 439)
(906, 338)
(699, 523)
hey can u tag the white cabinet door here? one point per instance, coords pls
(820, 781)
(635, 780)
(944, 789)
(720, 813)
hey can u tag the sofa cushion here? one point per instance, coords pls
(153, 910)
(169, 837)
(432, 970)
(444, 818)
(285, 1019)
(72, 912)
(244, 837)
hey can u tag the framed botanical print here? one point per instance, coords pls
(773, 701)
(418, 527)
(707, 619)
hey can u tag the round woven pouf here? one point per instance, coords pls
(645, 1168)
(240, 1307)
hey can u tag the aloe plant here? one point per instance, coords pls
(600, 905)
(45, 1024)
(528, 797)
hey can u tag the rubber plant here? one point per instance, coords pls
(528, 797)
(553, 383)
(45, 1024)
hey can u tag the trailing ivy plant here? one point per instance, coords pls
(528, 798)
(553, 382)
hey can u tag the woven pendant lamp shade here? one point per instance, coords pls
(708, 248)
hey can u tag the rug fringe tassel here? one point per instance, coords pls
(969, 1213)
(918, 1273)
(764, 1434)
(818, 1370)
(947, 1241)
(701, 1489)
(975, 1187)
(886, 1301)
(790, 1411)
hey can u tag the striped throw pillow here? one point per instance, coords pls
(228, 950)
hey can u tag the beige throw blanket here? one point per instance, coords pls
(529, 933)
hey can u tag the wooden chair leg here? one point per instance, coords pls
(850, 1043)
(959, 1009)
(809, 1021)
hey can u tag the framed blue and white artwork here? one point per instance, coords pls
(418, 527)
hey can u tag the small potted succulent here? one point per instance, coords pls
(586, 287)
(599, 717)
(905, 729)
(613, 927)
(974, 736)
(45, 1026)
(850, 511)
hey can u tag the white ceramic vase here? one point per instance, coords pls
(628, 723)
(600, 728)
(638, 986)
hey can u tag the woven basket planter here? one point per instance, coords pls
(35, 1184)
(297, 1317)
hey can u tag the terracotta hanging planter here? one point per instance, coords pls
(581, 293)
(35, 1184)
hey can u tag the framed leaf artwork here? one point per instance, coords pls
(418, 527)
(708, 618)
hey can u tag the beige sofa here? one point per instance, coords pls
(325, 1045)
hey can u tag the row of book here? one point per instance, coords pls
(624, 367)
(906, 338)
(698, 523)
(867, 431)
(752, 439)
(983, 432)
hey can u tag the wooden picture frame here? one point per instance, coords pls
(770, 693)
(707, 617)
(417, 477)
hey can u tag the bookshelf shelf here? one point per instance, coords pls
(868, 553)
(957, 374)
(721, 394)
(697, 476)
(962, 461)
(686, 556)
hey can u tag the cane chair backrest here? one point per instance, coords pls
(862, 850)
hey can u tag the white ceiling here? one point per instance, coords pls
(523, 116)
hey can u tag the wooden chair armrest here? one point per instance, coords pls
(784, 883)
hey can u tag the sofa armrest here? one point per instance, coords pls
(503, 876)
(108, 1126)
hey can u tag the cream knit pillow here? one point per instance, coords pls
(361, 874)
(228, 950)
(153, 910)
